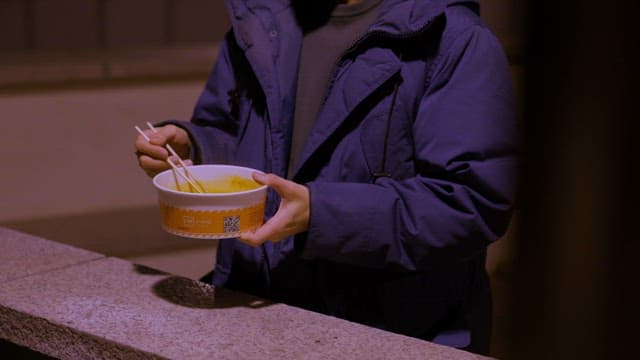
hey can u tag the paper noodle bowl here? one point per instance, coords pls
(209, 215)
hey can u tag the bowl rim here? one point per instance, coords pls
(208, 195)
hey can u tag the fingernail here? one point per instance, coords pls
(258, 177)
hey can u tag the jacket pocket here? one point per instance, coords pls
(394, 158)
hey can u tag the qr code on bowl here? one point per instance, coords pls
(231, 224)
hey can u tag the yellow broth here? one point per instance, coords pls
(227, 184)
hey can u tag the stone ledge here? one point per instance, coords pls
(110, 308)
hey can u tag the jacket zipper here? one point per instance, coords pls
(358, 42)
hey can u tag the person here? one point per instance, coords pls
(385, 129)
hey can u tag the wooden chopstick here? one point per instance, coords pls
(174, 166)
(170, 148)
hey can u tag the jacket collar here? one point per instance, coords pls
(405, 17)
(398, 17)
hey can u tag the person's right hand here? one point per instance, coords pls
(152, 156)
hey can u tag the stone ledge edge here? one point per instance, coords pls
(61, 341)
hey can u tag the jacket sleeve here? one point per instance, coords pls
(461, 197)
(213, 129)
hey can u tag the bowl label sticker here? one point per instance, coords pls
(211, 223)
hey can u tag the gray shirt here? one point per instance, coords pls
(321, 49)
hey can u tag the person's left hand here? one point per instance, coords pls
(292, 216)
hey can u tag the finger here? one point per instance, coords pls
(162, 135)
(280, 185)
(269, 231)
(174, 136)
(144, 147)
(176, 160)
(151, 165)
(248, 238)
(147, 134)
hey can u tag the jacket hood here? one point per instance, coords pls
(398, 17)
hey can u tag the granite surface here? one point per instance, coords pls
(23, 255)
(111, 308)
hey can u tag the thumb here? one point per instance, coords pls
(273, 181)
(159, 137)
(164, 134)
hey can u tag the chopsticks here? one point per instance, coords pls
(187, 176)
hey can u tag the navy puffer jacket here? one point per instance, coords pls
(410, 165)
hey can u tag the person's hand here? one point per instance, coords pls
(292, 216)
(152, 155)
